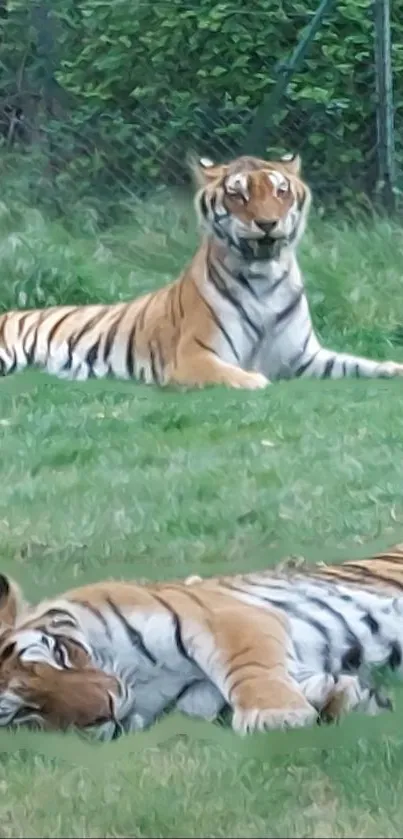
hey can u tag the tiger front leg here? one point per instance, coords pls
(205, 368)
(327, 364)
(245, 656)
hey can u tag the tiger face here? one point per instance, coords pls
(47, 679)
(254, 205)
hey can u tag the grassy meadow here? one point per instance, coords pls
(106, 479)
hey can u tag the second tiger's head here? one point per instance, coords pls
(47, 678)
(254, 206)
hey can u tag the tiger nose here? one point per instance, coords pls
(266, 226)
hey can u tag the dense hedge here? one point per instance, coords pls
(112, 94)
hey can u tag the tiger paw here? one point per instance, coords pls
(255, 719)
(349, 694)
(251, 381)
(318, 688)
(260, 381)
(345, 697)
(390, 369)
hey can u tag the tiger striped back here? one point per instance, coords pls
(382, 571)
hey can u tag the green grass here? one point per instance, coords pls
(111, 479)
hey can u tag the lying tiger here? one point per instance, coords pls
(237, 315)
(277, 648)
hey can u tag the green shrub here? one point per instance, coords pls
(113, 94)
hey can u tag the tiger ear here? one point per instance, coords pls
(292, 163)
(11, 602)
(204, 170)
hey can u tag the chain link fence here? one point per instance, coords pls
(101, 102)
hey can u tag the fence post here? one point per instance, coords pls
(256, 140)
(386, 180)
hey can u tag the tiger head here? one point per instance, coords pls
(47, 678)
(255, 206)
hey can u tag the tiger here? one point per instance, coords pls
(236, 316)
(276, 649)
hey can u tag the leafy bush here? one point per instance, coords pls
(113, 94)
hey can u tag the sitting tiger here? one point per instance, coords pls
(237, 316)
(278, 648)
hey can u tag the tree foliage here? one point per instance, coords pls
(113, 94)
